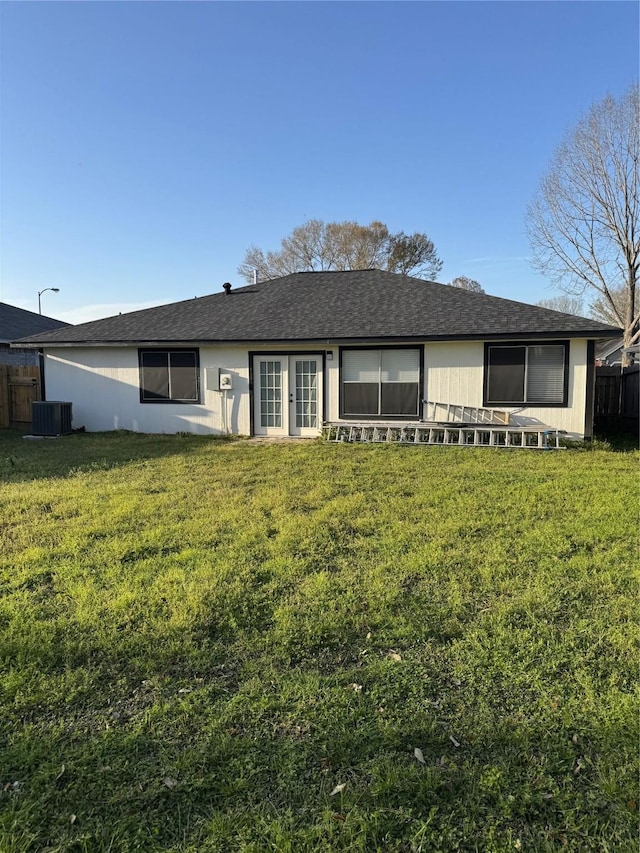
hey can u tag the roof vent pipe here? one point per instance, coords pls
(255, 276)
(226, 287)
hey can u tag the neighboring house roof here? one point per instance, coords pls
(331, 306)
(17, 323)
(610, 351)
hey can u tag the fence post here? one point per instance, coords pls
(4, 397)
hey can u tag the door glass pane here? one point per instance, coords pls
(306, 393)
(270, 394)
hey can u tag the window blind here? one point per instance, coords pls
(545, 374)
(362, 365)
(532, 374)
(379, 382)
(400, 365)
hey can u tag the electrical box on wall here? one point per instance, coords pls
(224, 381)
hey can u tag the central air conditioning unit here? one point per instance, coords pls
(52, 417)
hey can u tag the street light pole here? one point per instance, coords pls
(40, 292)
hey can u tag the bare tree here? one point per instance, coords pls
(358, 247)
(412, 254)
(318, 246)
(309, 247)
(465, 283)
(584, 221)
(565, 304)
(601, 309)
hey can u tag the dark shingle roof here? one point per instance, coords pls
(17, 323)
(331, 306)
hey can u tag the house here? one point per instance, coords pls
(282, 357)
(609, 352)
(17, 323)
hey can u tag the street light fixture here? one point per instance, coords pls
(40, 292)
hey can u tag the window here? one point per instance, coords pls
(380, 382)
(169, 376)
(533, 373)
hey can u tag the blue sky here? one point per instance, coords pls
(146, 146)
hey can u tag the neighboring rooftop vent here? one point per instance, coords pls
(226, 287)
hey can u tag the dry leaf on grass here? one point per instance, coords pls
(418, 754)
(338, 789)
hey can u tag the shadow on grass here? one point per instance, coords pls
(23, 459)
(162, 774)
(619, 441)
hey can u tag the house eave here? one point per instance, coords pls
(325, 341)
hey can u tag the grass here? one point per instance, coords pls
(213, 645)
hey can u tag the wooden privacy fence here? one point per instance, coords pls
(617, 399)
(19, 387)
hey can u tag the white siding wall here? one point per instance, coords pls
(454, 373)
(103, 386)
(332, 380)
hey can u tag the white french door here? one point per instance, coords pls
(305, 394)
(287, 394)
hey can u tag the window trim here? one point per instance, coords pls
(169, 400)
(348, 417)
(526, 344)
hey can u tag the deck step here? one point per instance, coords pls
(467, 435)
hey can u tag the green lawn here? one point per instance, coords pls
(215, 645)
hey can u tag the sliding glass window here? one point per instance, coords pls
(379, 383)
